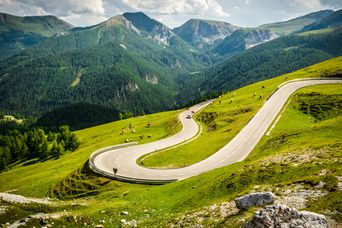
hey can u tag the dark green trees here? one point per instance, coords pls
(67, 139)
(35, 144)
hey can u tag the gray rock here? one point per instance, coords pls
(254, 199)
(283, 216)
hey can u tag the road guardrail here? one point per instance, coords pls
(114, 176)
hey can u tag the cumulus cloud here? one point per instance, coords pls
(310, 4)
(174, 13)
(335, 4)
(19, 8)
(170, 12)
(82, 20)
(171, 7)
(75, 11)
(66, 7)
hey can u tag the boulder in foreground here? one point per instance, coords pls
(254, 199)
(284, 216)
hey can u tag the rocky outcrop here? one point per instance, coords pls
(151, 79)
(255, 37)
(243, 39)
(150, 28)
(161, 34)
(254, 199)
(201, 33)
(284, 216)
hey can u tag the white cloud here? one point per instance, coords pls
(78, 12)
(170, 12)
(335, 4)
(67, 7)
(171, 21)
(310, 4)
(172, 7)
(19, 8)
(81, 19)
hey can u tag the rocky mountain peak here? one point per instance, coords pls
(151, 28)
(243, 39)
(200, 32)
(120, 20)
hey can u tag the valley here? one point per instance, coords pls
(169, 200)
(89, 66)
(126, 121)
(124, 159)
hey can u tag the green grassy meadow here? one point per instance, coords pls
(35, 180)
(304, 143)
(227, 116)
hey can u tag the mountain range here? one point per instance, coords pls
(334, 19)
(117, 64)
(18, 33)
(133, 63)
(243, 39)
(296, 24)
(276, 57)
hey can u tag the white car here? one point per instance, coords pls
(188, 116)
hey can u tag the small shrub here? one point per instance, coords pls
(331, 183)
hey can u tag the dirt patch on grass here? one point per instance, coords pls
(210, 215)
(297, 196)
(12, 198)
(300, 157)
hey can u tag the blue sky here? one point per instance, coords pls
(170, 12)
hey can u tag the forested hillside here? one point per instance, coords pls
(264, 61)
(79, 116)
(135, 64)
(18, 33)
(36, 144)
(113, 64)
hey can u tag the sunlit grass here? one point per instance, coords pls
(268, 166)
(233, 111)
(36, 179)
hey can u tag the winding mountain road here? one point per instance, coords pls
(124, 159)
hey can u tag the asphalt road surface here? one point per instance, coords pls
(124, 159)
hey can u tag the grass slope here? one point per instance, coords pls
(36, 179)
(305, 153)
(227, 116)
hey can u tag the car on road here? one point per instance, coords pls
(188, 116)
